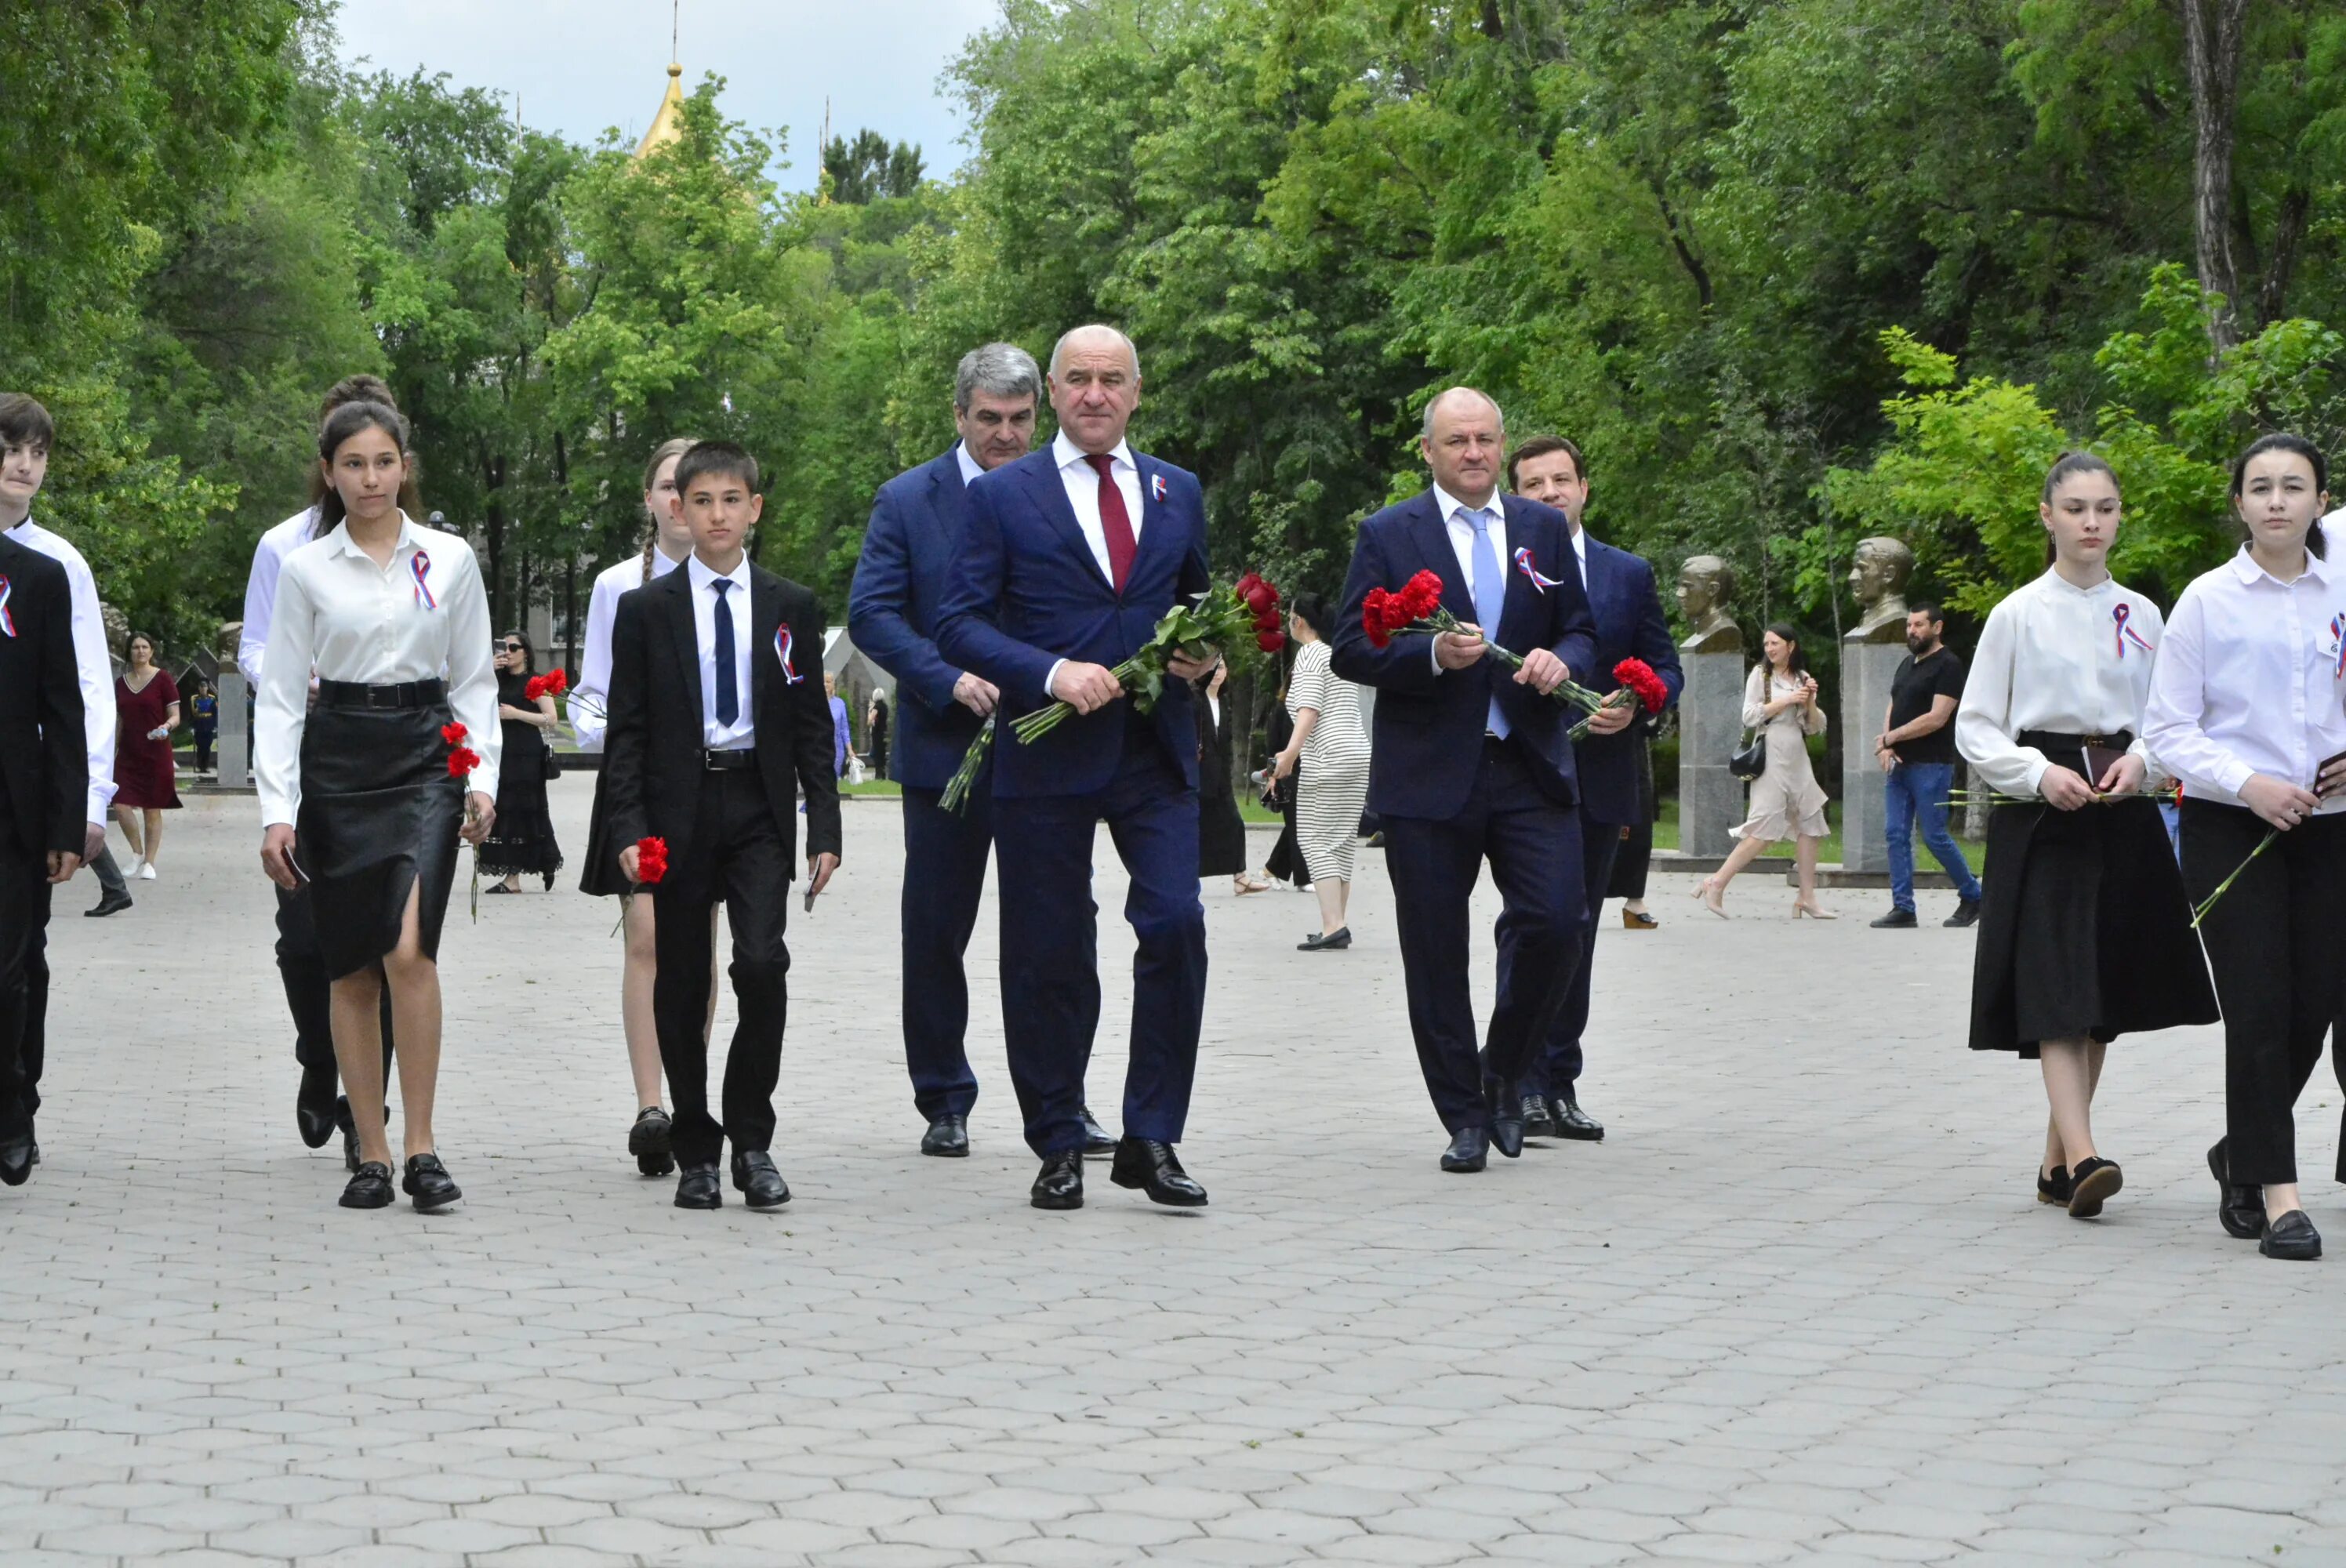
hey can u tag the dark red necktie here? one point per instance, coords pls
(1115, 520)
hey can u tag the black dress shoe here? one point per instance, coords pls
(1896, 920)
(2293, 1236)
(1507, 1124)
(107, 903)
(1469, 1150)
(1572, 1122)
(2241, 1207)
(313, 1106)
(2053, 1188)
(369, 1187)
(1152, 1167)
(947, 1136)
(36, 1151)
(2092, 1183)
(697, 1188)
(1966, 913)
(1060, 1183)
(652, 1141)
(762, 1187)
(1536, 1123)
(16, 1160)
(1098, 1145)
(428, 1184)
(1331, 941)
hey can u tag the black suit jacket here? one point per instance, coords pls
(652, 752)
(43, 763)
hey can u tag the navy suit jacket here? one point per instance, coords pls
(1428, 740)
(1025, 591)
(892, 614)
(1629, 624)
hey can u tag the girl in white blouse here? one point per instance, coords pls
(2248, 707)
(2084, 930)
(364, 784)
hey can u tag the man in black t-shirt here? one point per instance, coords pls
(1916, 749)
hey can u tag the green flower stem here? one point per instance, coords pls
(2200, 913)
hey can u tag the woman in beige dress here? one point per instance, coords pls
(1780, 701)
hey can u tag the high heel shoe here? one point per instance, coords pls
(1639, 920)
(1814, 911)
(1707, 891)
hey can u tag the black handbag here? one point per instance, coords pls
(553, 761)
(1749, 759)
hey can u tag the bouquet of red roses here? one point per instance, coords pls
(1220, 618)
(1417, 608)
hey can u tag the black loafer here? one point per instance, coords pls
(2053, 1188)
(2291, 1237)
(1060, 1183)
(1150, 1166)
(2240, 1209)
(1896, 920)
(1098, 1145)
(1469, 1150)
(1572, 1122)
(428, 1185)
(947, 1137)
(370, 1188)
(1966, 913)
(697, 1188)
(313, 1106)
(2091, 1184)
(762, 1187)
(1336, 940)
(652, 1141)
(1536, 1123)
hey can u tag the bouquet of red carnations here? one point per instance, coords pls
(554, 682)
(1416, 606)
(1220, 618)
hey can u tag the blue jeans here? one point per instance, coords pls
(1915, 790)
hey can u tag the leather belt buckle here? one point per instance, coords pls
(383, 697)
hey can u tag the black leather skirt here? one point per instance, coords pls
(378, 817)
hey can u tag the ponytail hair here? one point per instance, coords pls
(675, 446)
(340, 425)
(2282, 441)
(2065, 467)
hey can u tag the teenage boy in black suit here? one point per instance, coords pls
(713, 708)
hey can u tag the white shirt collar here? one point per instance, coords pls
(703, 574)
(662, 566)
(1451, 505)
(969, 466)
(339, 542)
(1067, 454)
(2244, 567)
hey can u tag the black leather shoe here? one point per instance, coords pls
(350, 1126)
(948, 1137)
(2240, 1209)
(428, 1184)
(107, 903)
(1896, 920)
(1098, 1145)
(36, 1151)
(652, 1141)
(1060, 1183)
(762, 1187)
(1572, 1122)
(2092, 1183)
(2053, 1188)
(1507, 1124)
(697, 1188)
(2291, 1237)
(1966, 913)
(16, 1160)
(1336, 940)
(1152, 1167)
(313, 1106)
(1469, 1150)
(369, 1187)
(1536, 1123)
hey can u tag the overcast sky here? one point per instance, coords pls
(580, 65)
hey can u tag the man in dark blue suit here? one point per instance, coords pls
(1471, 763)
(900, 581)
(1068, 558)
(1629, 624)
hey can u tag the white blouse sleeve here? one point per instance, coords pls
(1984, 727)
(472, 673)
(2178, 698)
(591, 697)
(281, 708)
(1755, 698)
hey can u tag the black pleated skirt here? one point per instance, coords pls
(2084, 930)
(600, 875)
(378, 817)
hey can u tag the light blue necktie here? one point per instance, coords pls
(729, 690)
(1490, 600)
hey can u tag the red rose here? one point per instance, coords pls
(1260, 596)
(1266, 621)
(1374, 618)
(1639, 676)
(454, 734)
(1271, 642)
(462, 762)
(651, 859)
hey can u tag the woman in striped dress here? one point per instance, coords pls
(1334, 744)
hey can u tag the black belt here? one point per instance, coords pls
(407, 694)
(2055, 740)
(729, 761)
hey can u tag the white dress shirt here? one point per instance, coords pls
(342, 617)
(2247, 680)
(742, 733)
(2057, 656)
(1462, 541)
(590, 698)
(970, 469)
(260, 588)
(1081, 480)
(92, 665)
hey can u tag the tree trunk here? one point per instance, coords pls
(2211, 39)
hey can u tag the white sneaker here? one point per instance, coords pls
(145, 873)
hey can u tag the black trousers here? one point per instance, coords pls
(945, 881)
(23, 912)
(735, 855)
(1555, 1066)
(2272, 942)
(1631, 862)
(34, 1048)
(309, 995)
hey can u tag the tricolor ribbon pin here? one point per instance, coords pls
(7, 621)
(1523, 565)
(782, 646)
(2125, 632)
(2336, 636)
(1156, 485)
(421, 567)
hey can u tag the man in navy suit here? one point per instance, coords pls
(1629, 624)
(892, 615)
(1068, 559)
(1470, 762)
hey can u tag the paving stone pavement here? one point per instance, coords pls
(1800, 1305)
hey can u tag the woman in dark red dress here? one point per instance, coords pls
(147, 709)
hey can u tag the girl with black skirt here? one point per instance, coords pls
(2085, 931)
(2249, 708)
(364, 789)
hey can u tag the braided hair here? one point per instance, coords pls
(666, 452)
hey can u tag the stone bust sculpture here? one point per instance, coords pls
(1705, 584)
(231, 640)
(1878, 578)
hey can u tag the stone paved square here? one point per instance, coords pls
(1800, 1305)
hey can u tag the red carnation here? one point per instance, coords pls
(454, 734)
(1421, 595)
(533, 688)
(1373, 619)
(557, 681)
(651, 859)
(1639, 676)
(1271, 642)
(462, 762)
